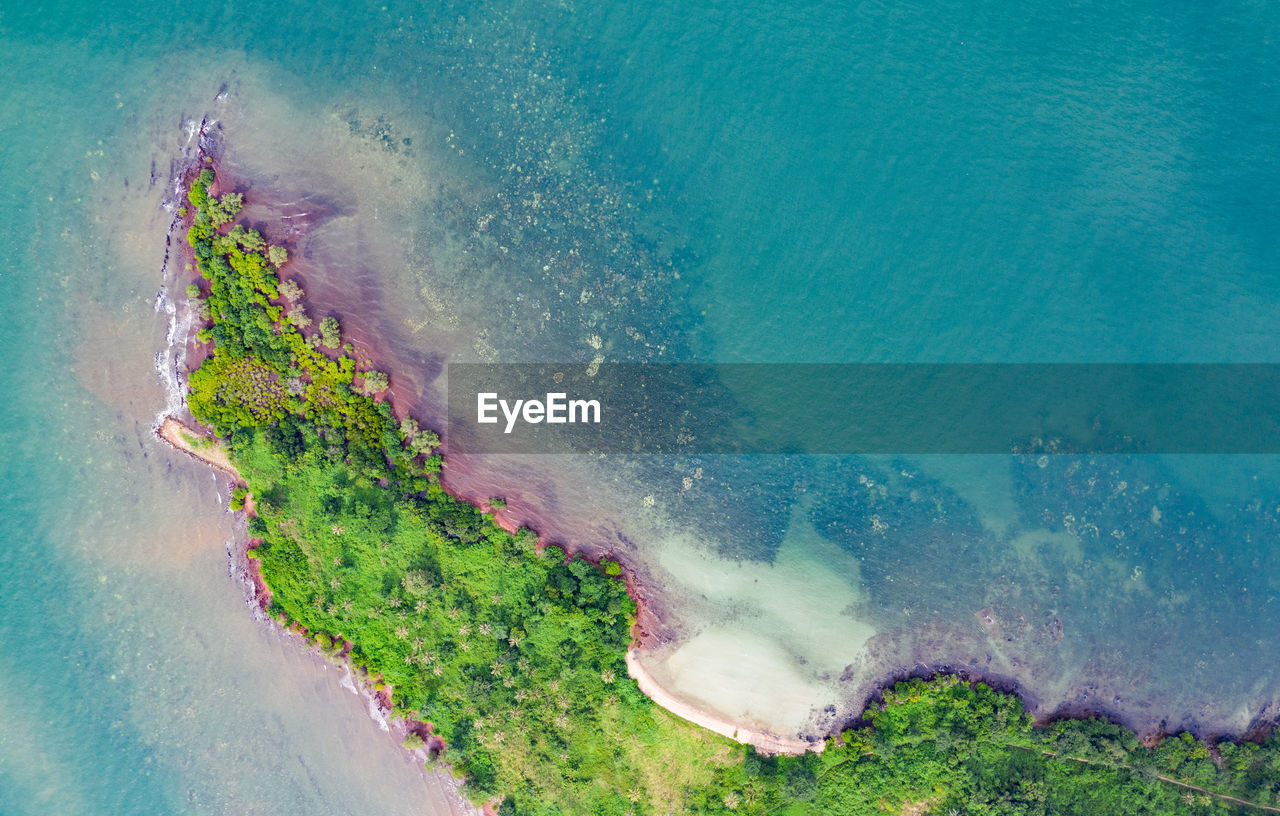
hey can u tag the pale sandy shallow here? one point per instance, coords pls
(763, 741)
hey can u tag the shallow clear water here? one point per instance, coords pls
(528, 181)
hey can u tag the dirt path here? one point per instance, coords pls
(1223, 796)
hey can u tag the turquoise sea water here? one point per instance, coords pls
(745, 182)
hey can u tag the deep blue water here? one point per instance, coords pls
(738, 182)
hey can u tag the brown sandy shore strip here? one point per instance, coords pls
(196, 444)
(764, 742)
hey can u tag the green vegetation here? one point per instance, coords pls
(278, 255)
(413, 741)
(197, 442)
(298, 316)
(951, 747)
(330, 334)
(289, 289)
(515, 654)
(248, 240)
(374, 382)
(220, 211)
(418, 439)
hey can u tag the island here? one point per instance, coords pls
(505, 658)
